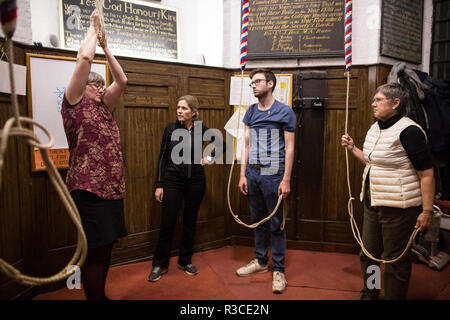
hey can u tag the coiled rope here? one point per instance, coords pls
(13, 127)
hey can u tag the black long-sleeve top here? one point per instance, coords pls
(176, 165)
(414, 142)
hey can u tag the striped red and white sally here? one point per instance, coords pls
(244, 33)
(348, 35)
(8, 17)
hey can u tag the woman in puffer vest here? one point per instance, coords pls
(397, 188)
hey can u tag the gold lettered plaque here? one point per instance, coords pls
(401, 30)
(295, 28)
(134, 28)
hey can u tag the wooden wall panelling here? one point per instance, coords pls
(10, 208)
(27, 206)
(239, 203)
(334, 193)
(240, 207)
(63, 232)
(310, 156)
(292, 226)
(149, 104)
(208, 86)
(40, 237)
(142, 117)
(226, 167)
(323, 218)
(382, 72)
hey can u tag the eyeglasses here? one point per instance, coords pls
(378, 100)
(96, 86)
(256, 82)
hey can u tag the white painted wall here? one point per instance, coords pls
(201, 30)
(23, 27)
(45, 20)
(209, 32)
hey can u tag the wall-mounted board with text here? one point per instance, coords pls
(401, 29)
(134, 28)
(295, 28)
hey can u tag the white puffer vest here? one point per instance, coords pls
(393, 180)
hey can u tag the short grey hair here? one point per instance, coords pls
(94, 77)
(395, 91)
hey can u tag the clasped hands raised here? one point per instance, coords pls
(99, 31)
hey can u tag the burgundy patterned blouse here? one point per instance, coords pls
(95, 162)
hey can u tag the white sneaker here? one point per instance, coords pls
(252, 268)
(279, 283)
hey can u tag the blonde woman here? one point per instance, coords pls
(180, 179)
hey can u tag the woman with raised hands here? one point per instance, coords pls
(96, 175)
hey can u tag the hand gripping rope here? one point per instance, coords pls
(99, 6)
(348, 63)
(13, 127)
(243, 58)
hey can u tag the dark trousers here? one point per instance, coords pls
(176, 191)
(386, 231)
(263, 198)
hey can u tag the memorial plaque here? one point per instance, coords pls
(295, 28)
(134, 28)
(401, 30)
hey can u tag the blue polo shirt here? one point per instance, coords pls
(267, 133)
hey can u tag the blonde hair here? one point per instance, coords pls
(192, 103)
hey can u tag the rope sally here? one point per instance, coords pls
(99, 5)
(243, 62)
(13, 127)
(348, 65)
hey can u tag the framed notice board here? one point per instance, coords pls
(47, 78)
(295, 28)
(401, 29)
(134, 28)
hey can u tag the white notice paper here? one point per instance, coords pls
(240, 87)
(20, 78)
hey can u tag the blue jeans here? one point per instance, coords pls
(263, 198)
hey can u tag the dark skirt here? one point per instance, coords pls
(103, 219)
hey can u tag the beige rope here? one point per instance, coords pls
(355, 230)
(235, 216)
(254, 225)
(9, 131)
